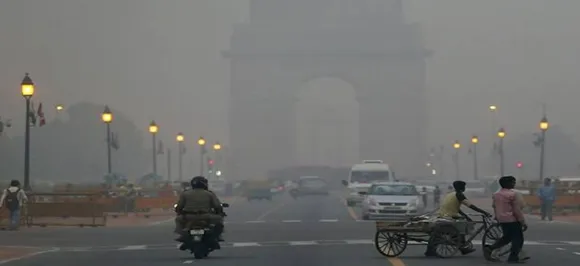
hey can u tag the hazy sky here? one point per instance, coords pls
(161, 60)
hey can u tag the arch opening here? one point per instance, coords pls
(327, 125)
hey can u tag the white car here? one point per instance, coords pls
(391, 200)
(356, 193)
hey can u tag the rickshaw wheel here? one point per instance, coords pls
(446, 240)
(492, 235)
(390, 244)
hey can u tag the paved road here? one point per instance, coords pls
(309, 231)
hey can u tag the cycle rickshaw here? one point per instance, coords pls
(446, 235)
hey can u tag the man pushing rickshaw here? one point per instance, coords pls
(449, 228)
(451, 209)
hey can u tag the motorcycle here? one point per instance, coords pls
(201, 239)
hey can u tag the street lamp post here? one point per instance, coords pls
(27, 90)
(107, 118)
(180, 138)
(456, 146)
(153, 129)
(475, 140)
(501, 135)
(544, 125)
(216, 148)
(201, 143)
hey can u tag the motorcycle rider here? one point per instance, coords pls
(197, 204)
(218, 216)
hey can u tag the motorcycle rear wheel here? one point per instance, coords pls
(199, 251)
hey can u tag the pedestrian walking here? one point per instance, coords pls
(436, 196)
(424, 196)
(13, 198)
(547, 196)
(508, 212)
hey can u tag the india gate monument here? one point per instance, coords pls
(366, 43)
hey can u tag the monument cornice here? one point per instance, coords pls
(407, 54)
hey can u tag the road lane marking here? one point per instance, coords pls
(291, 221)
(396, 262)
(556, 245)
(135, 247)
(29, 255)
(302, 243)
(352, 213)
(255, 222)
(188, 262)
(560, 248)
(270, 211)
(577, 253)
(359, 242)
(329, 221)
(162, 222)
(246, 244)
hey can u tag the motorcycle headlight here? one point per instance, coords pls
(175, 205)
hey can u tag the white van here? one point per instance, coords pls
(362, 176)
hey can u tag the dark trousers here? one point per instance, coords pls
(512, 233)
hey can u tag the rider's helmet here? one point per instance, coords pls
(459, 186)
(199, 182)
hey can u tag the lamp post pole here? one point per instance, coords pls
(27, 89)
(153, 129)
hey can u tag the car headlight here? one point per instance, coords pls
(175, 205)
(414, 204)
(372, 202)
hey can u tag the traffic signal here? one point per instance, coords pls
(519, 165)
(210, 165)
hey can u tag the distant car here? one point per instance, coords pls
(391, 200)
(310, 185)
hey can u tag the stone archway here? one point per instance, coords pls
(378, 54)
(326, 124)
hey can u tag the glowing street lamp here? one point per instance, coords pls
(201, 143)
(217, 146)
(456, 146)
(180, 139)
(501, 135)
(27, 90)
(153, 129)
(475, 140)
(107, 117)
(544, 125)
(59, 107)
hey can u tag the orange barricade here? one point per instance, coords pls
(157, 206)
(563, 202)
(156, 203)
(65, 209)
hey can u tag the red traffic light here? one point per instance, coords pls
(210, 162)
(519, 165)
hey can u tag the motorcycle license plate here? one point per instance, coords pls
(196, 232)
